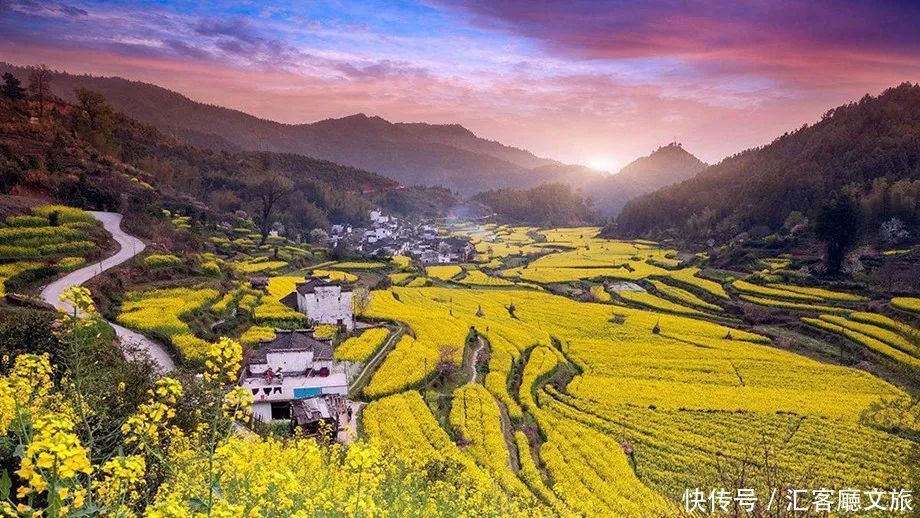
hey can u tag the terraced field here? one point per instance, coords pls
(52, 238)
(599, 398)
(638, 400)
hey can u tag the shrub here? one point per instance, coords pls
(64, 213)
(69, 264)
(26, 221)
(162, 261)
(27, 331)
(72, 247)
(211, 268)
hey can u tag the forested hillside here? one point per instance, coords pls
(870, 149)
(88, 155)
(550, 204)
(412, 154)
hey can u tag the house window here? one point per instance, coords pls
(281, 410)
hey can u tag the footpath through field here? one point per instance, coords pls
(130, 246)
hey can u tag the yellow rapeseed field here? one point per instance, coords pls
(360, 348)
(160, 312)
(671, 396)
(911, 304)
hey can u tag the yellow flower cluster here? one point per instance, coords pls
(756, 289)
(122, 479)
(591, 474)
(358, 265)
(901, 339)
(661, 394)
(256, 334)
(7, 406)
(237, 405)
(797, 306)
(869, 336)
(30, 381)
(419, 282)
(541, 362)
(401, 261)
(683, 296)
(269, 477)
(55, 456)
(11, 269)
(79, 298)
(401, 278)
(250, 267)
(324, 331)
(335, 275)
(600, 294)
(146, 426)
(477, 278)
(821, 293)
(534, 479)
(689, 276)
(406, 365)
(223, 361)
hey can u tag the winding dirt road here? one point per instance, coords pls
(134, 344)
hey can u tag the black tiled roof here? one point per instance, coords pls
(294, 340)
(290, 300)
(311, 283)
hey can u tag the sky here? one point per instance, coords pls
(594, 83)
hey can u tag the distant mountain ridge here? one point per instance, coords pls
(666, 166)
(870, 148)
(410, 153)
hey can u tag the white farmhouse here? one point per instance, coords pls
(377, 216)
(292, 366)
(323, 301)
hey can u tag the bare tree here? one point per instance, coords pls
(362, 299)
(446, 366)
(270, 188)
(40, 85)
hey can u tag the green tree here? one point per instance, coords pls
(837, 225)
(95, 120)
(12, 88)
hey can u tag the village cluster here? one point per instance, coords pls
(293, 375)
(388, 236)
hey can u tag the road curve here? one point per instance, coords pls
(129, 247)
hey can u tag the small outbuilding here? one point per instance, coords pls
(315, 417)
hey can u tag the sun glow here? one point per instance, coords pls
(602, 163)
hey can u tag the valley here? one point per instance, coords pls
(384, 318)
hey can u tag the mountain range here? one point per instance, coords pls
(869, 149)
(446, 155)
(665, 166)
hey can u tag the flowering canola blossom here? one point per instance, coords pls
(270, 477)
(160, 312)
(674, 395)
(360, 348)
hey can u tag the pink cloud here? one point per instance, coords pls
(614, 81)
